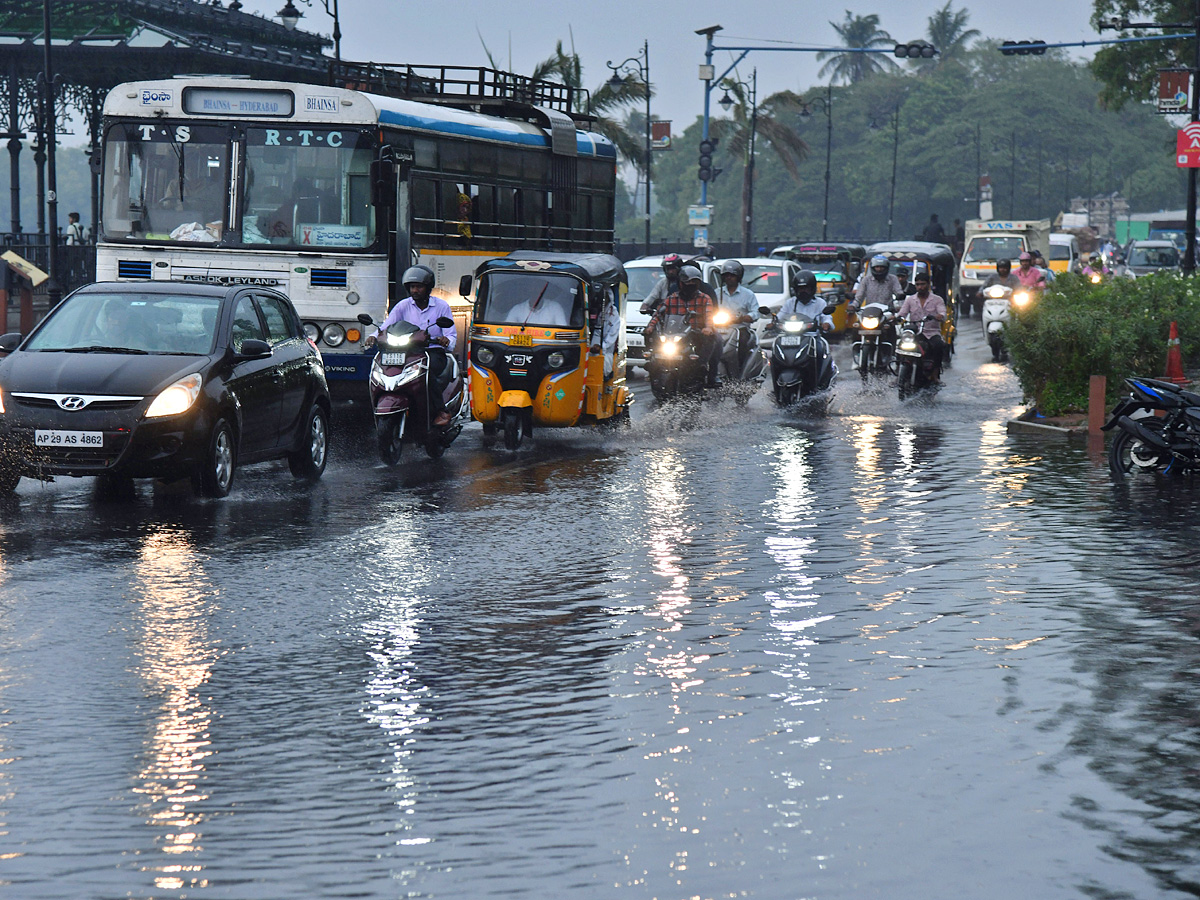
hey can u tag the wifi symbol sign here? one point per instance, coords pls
(1187, 146)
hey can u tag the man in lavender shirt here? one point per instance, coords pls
(423, 310)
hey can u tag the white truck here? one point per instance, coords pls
(986, 241)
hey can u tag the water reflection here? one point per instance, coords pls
(175, 604)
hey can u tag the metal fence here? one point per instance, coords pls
(76, 262)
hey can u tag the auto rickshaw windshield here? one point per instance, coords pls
(544, 299)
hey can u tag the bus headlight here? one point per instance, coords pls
(312, 331)
(334, 334)
(177, 398)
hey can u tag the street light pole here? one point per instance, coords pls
(640, 64)
(895, 154)
(828, 156)
(50, 126)
(291, 16)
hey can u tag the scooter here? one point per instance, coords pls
(994, 315)
(674, 360)
(399, 390)
(918, 369)
(801, 363)
(743, 362)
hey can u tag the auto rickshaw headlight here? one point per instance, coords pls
(485, 356)
(556, 359)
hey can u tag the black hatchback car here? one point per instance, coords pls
(162, 381)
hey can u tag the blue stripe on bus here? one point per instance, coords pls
(585, 143)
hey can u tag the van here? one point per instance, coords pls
(1064, 253)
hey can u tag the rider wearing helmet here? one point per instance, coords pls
(1003, 275)
(878, 287)
(739, 302)
(669, 283)
(693, 298)
(804, 300)
(423, 310)
(1029, 275)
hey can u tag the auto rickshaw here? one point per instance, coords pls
(537, 316)
(943, 272)
(837, 266)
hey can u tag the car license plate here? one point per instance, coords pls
(68, 438)
(391, 359)
(520, 340)
(791, 340)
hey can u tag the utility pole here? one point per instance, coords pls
(50, 126)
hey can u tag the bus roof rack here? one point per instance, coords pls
(467, 87)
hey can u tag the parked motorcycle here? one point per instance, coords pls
(743, 362)
(801, 363)
(1159, 429)
(399, 391)
(675, 358)
(874, 347)
(917, 368)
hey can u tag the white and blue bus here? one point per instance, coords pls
(329, 194)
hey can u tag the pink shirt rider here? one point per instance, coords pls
(1031, 277)
(917, 309)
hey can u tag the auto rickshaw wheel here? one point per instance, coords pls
(490, 431)
(512, 429)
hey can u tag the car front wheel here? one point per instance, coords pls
(8, 481)
(215, 478)
(309, 461)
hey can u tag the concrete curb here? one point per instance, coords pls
(1026, 424)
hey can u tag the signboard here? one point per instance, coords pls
(699, 237)
(700, 215)
(237, 102)
(1187, 147)
(24, 268)
(660, 135)
(1173, 90)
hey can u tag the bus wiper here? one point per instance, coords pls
(96, 348)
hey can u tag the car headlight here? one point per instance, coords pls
(995, 291)
(312, 331)
(334, 334)
(556, 359)
(1, 403)
(722, 318)
(485, 356)
(177, 398)
(793, 326)
(1021, 298)
(870, 324)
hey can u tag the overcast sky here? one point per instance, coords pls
(424, 32)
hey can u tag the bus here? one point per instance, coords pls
(328, 194)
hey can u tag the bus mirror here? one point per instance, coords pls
(383, 183)
(464, 286)
(95, 162)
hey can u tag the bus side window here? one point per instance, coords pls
(534, 217)
(425, 211)
(485, 212)
(508, 215)
(457, 210)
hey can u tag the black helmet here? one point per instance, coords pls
(418, 275)
(805, 278)
(1005, 264)
(733, 267)
(689, 273)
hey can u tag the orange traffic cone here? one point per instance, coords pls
(1174, 358)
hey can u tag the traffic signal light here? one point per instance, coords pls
(707, 148)
(1023, 48)
(916, 50)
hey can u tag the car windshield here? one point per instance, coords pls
(990, 249)
(525, 298)
(130, 323)
(1060, 251)
(764, 279)
(642, 280)
(1159, 257)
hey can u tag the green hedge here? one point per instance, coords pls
(1117, 328)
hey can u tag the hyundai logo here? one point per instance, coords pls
(72, 403)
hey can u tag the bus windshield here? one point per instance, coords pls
(545, 300)
(990, 249)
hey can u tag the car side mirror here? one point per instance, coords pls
(444, 322)
(365, 319)
(464, 286)
(9, 342)
(253, 348)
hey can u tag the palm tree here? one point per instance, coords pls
(859, 33)
(948, 32)
(746, 125)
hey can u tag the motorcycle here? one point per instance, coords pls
(676, 358)
(918, 369)
(1159, 429)
(743, 362)
(399, 392)
(801, 363)
(874, 350)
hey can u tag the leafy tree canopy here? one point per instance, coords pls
(1130, 71)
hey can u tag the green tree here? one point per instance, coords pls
(1129, 71)
(947, 31)
(860, 33)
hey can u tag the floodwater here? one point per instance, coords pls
(888, 652)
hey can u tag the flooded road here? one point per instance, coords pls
(889, 652)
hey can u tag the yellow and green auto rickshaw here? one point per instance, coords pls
(943, 272)
(548, 343)
(837, 266)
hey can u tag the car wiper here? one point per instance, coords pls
(96, 348)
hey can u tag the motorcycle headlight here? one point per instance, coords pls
(485, 356)
(670, 348)
(177, 398)
(909, 343)
(871, 323)
(334, 334)
(556, 359)
(722, 318)
(995, 292)
(394, 341)
(1021, 298)
(793, 326)
(1095, 279)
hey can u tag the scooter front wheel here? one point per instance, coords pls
(390, 438)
